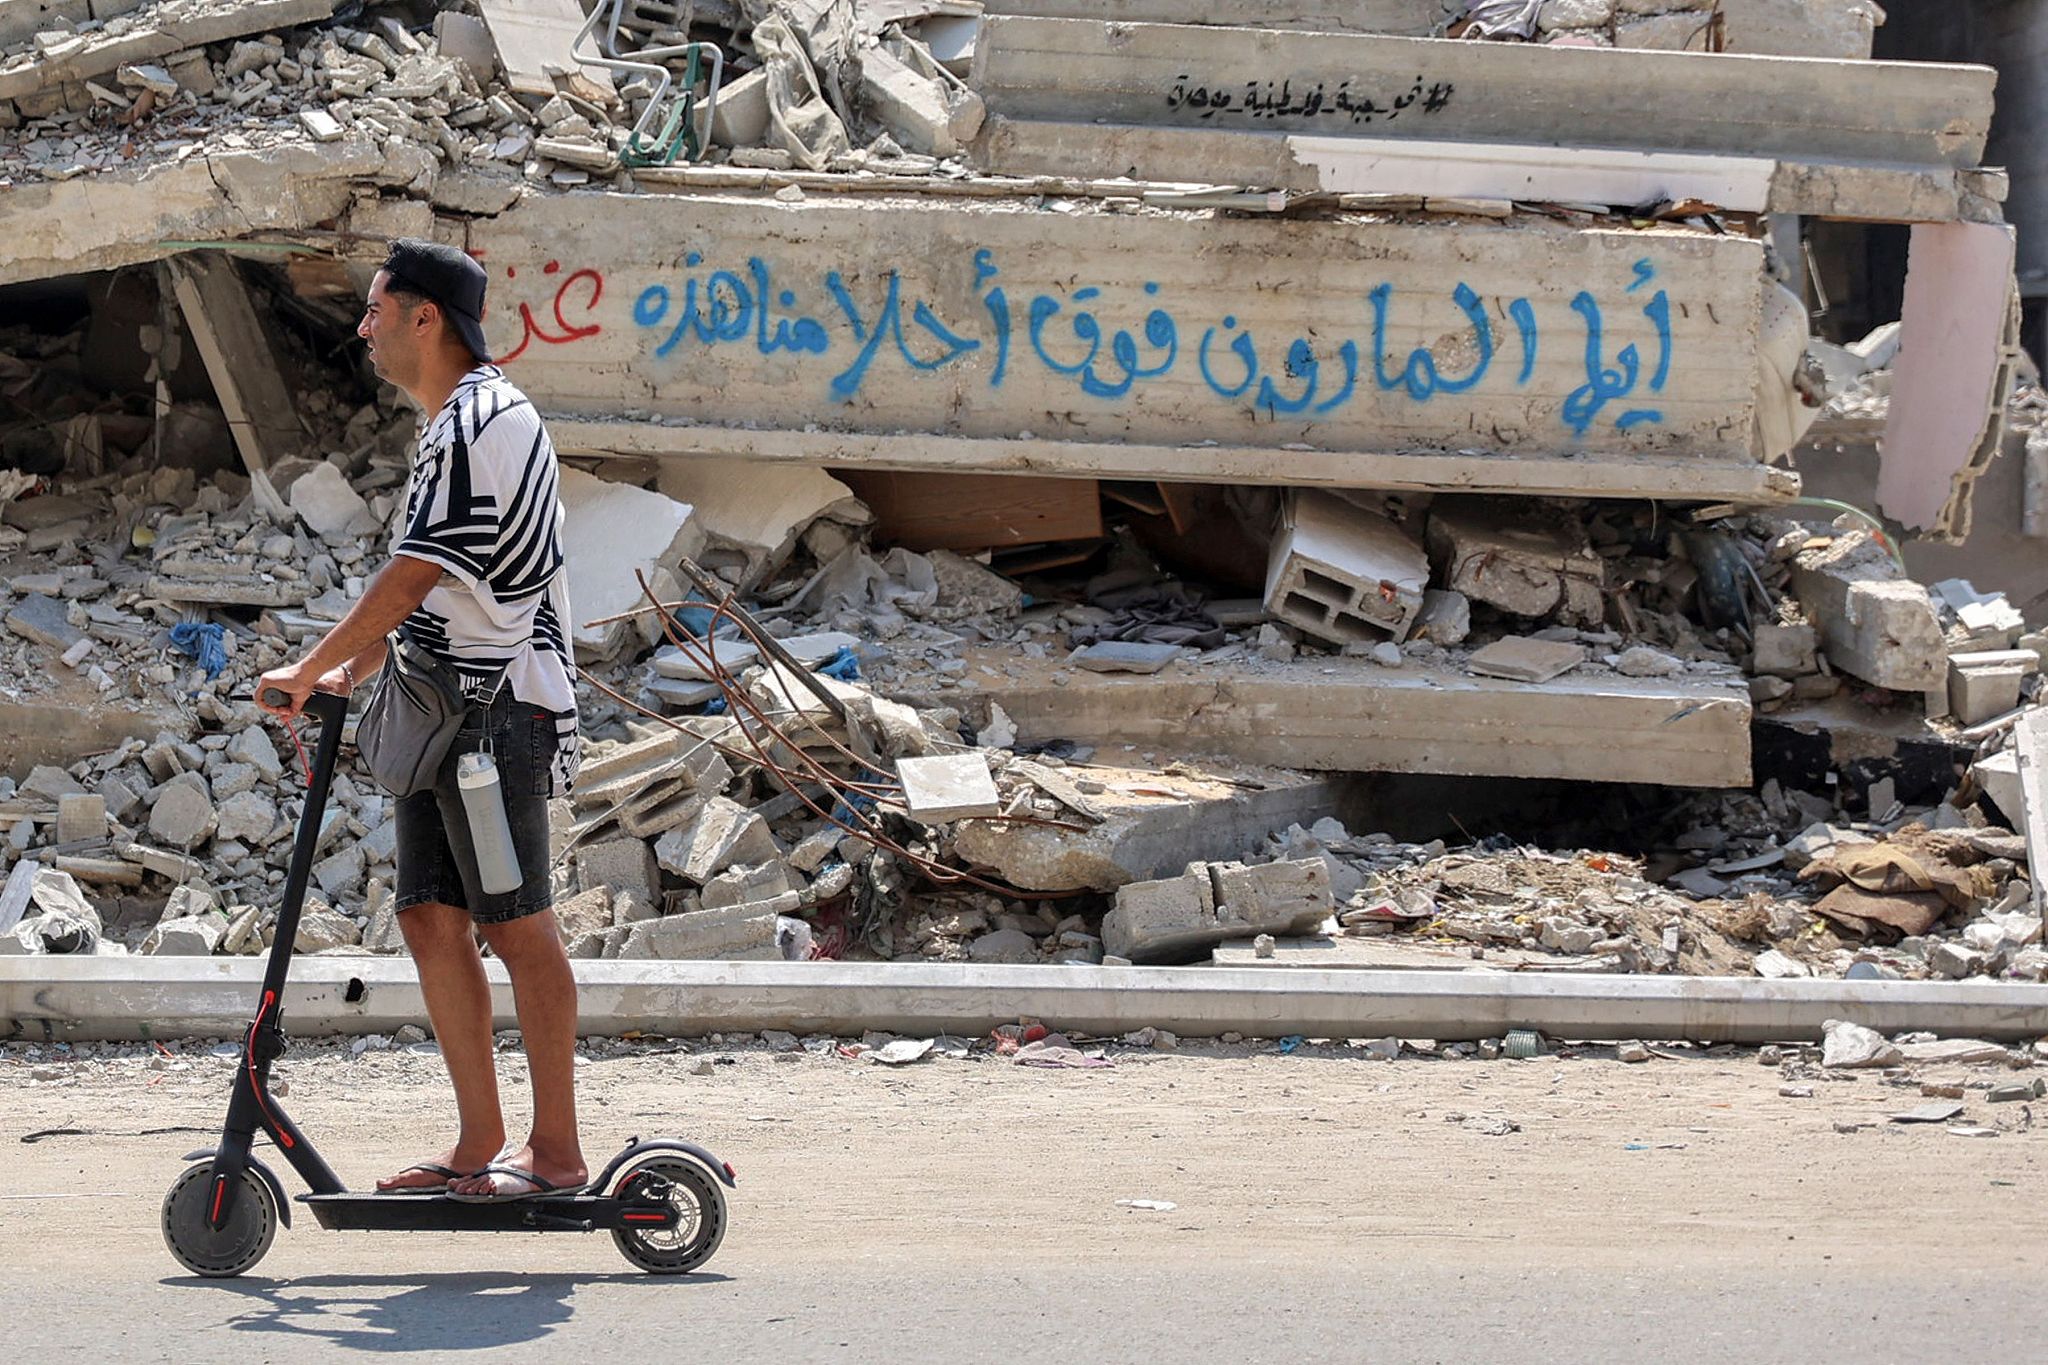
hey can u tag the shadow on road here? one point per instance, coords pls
(461, 1311)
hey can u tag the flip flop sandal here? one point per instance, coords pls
(543, 1188)
(431, 1168)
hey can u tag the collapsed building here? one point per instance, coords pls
(1032, 466)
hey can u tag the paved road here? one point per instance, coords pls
(1327, 1209)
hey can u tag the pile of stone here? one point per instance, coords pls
(85, 89)
(1810, 28)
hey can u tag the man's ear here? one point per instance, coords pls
(426, 317)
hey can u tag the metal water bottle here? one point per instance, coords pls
(483, 801)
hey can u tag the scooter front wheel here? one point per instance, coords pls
(699, 1206)
(237, 1245)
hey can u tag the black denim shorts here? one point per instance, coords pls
(436, 857)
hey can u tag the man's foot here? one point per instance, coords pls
(437, 1175)
(563, 1172)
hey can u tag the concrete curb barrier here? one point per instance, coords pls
(54, 998)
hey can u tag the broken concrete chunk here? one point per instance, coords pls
(1526, 660)
(1344, 574)
(1876, 624)
(253, 746)
(1181, 918)
(609, 531)
(1785, 651)
(742, 884)
(325, 502)
(1847, 1045)
(724, 833)
(186, 936)
(182, 816)
(1641, 661)
(1445, 618)
(1524, 568)
(81, 817)
(946, 787)
(1124, 656)
(43, 620)
(624, 866)
(1986, 683)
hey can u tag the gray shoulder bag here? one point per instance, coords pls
(415, 709)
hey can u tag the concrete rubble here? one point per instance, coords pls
(1023, 747)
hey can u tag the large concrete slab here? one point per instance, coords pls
(1315, 164)
(1319, 350)
(1075, 70)
(1350, 715)
(101, 222)
(1414, 18)
(77, 999)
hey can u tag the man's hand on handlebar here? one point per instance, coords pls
(283, 691)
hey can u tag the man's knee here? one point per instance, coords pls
(435, 930)
(530, 940)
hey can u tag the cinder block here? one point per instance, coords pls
(1344, 574)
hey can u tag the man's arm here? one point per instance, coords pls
(390, 597)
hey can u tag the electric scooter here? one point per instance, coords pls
(660, 1199)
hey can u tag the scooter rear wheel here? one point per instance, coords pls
(700, 1215)
(251, 1224)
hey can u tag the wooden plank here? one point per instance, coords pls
(534, 38)
(1177, 75)
(1183, 505)
(927, 511)
(240, 360)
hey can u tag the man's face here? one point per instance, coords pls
(396, 331)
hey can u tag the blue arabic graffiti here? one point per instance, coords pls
(1065, 334)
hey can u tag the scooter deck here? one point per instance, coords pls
(439, 1213)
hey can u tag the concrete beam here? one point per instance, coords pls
(1413, 18)
(1674, 477)
(1485, 170)
(1352, 715)
(1366, 344)
(100, 222)
(1074, 70)
(80, 999)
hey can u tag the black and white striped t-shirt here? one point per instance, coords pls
(485, 505)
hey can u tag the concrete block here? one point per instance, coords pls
(51, 783)
(467, 39)
(947, 787)
(1987, 683)
(621, 865)
(254, 747)
(1524, 660)
(81, 817)
(924, 115)
(611, 530)
(248, 816)
(183, 815)
(732, 933)
(1179, 919)
(340, 875)
(741, 118)
(122, 799)
(322, 928)
(1998, 775)
(745, 884)
(1509, 560)
(1786, 651)
(43, 620)
(1342, 573)
(186, 936)
(584, 914)
(327, 504)
(1875, 624)
(724, 833)
(1445, 618)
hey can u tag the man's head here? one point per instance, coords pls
(424, 313)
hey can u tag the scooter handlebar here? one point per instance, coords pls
(325, 707)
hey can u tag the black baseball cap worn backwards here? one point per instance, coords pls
(451, 279)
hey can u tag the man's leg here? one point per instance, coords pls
(545, 990)
(458, 996)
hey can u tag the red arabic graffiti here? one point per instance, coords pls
(579, 289)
